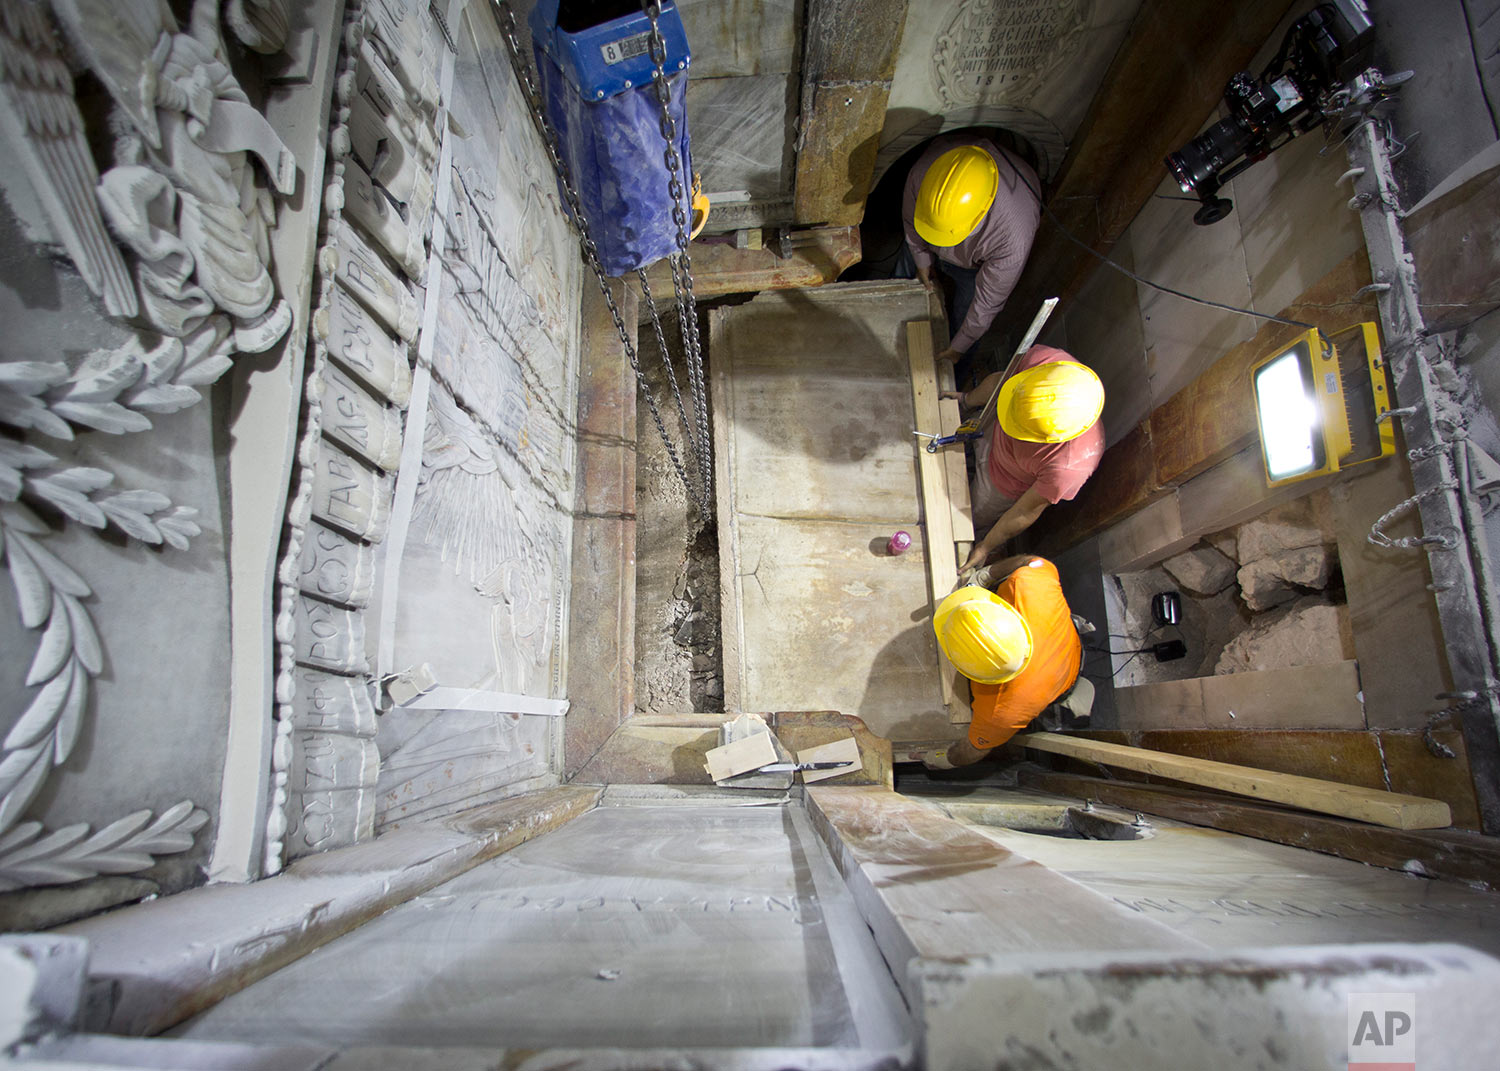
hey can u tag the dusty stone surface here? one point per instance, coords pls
(1309, 632)
(679, 665)
(1201, 570)
(1304, 522)
(1226, 543)
(1275, 581)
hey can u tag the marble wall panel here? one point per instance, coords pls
(1182, 337)
(1105, 332)
(362, 272)
(368, 206)
(329, 703)
(742, 134)
(1031, 66)
(745, 37)
(330, 638)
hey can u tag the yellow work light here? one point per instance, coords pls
(1321, 404)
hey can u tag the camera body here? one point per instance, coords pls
(1320, 52)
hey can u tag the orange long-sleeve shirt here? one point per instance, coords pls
(1002, 710)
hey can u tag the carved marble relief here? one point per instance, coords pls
(187, 189)
(486, 558)
(378, 206)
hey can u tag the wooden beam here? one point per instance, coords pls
(937, 522)
(1449, 854)
(1163, 85)
(1391, 809)
(719, 268)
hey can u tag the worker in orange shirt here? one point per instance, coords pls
(1018, 645)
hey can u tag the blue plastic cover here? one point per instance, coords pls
(615, 152)
(613, 57)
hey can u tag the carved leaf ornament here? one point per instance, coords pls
(192, 217)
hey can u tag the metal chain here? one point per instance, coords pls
(682, 264)
(586, 243)
(666, 359)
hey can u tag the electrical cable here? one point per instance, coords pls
(1081, 244)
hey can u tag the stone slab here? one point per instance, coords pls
(1248, 1010)
(813, 392)
(741, 134)
(930, 887)
(168, 959)
(822, 620)
(1304, 697)
(574, 940)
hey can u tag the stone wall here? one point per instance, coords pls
(384, 477)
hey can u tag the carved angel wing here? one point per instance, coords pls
(42, 123)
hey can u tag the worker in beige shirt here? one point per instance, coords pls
(970, 209)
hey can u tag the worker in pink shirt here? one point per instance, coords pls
(1045, 442)
(970, 208)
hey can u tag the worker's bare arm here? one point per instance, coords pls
(1021, 516)
(979, 395)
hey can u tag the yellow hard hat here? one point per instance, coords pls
(1051, 403)
(956, 192)
(982, 635)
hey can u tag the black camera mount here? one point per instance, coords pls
(1295, 92)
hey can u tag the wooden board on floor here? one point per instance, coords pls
(1391, 809)
(1451, 854)
(937, 520)
(1302, 697)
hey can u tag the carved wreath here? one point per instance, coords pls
(190, 274)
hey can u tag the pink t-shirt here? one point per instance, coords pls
(1056, 470)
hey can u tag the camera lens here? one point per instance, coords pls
(1196, 164)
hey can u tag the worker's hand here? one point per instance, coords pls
(950, 354)
(977, 557)
(958, 395)
(937, 759)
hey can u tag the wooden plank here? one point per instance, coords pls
(739, 756)
(1448, 854)
(1368, 805)
(956, 474)
(1303, 697)
(845, 750)
(723, 269)
(942, 558)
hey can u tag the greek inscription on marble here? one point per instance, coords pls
(364, 424)
(362, 346)
(330, 638)
(365, 275)
(335, 567)
(375, 213)
(350, 496)
(328, 703)
(1001, 53)
(329, 819)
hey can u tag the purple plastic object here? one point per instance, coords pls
(898, 544)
